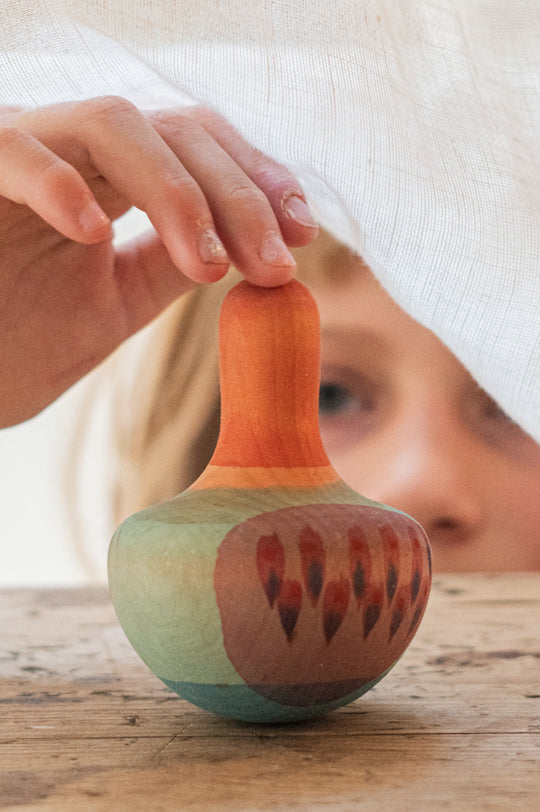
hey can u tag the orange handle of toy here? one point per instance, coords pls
(269, 375)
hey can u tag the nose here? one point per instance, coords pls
(430, 469)
(428, 483)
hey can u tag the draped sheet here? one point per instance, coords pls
(413, 126)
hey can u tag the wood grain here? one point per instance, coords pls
(269, 368)
(85, 726)
(284, 594)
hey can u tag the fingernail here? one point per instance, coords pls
(274, 251)
(211, 249)
(298, 210)
(93, 218)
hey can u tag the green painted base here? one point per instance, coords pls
(271, 605)
(242, 703)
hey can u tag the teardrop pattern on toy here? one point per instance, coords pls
(313, 562)
(315, 616)
(271, 565)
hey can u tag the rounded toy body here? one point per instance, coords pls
(283, 616)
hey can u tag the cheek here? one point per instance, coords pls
(346, 463)
(362, 465)
(514, 519)
(507, 536)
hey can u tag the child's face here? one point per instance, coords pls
(405, 424)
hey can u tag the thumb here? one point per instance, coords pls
(148, 280)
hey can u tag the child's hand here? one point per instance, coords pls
(67, 297)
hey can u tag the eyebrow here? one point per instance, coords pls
(349, 338)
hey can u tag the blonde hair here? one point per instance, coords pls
(168, 435)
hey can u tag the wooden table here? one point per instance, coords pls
(456, 725)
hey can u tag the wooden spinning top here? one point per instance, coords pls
(269, 591)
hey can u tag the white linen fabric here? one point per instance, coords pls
(413, 126)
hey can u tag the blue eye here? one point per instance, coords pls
(333, 398)
(350, 406)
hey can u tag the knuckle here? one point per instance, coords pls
(182, 189)
(9, 137)
(270, 175)
(245, 195)
(269, 172)
(107, 108)
(174, 123)
(55, 175)
(205, 116)
(56, 179)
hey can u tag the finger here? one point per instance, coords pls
(242, 213)
(275, 181)
(140, 166)
(32, 175)
(147, 279)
